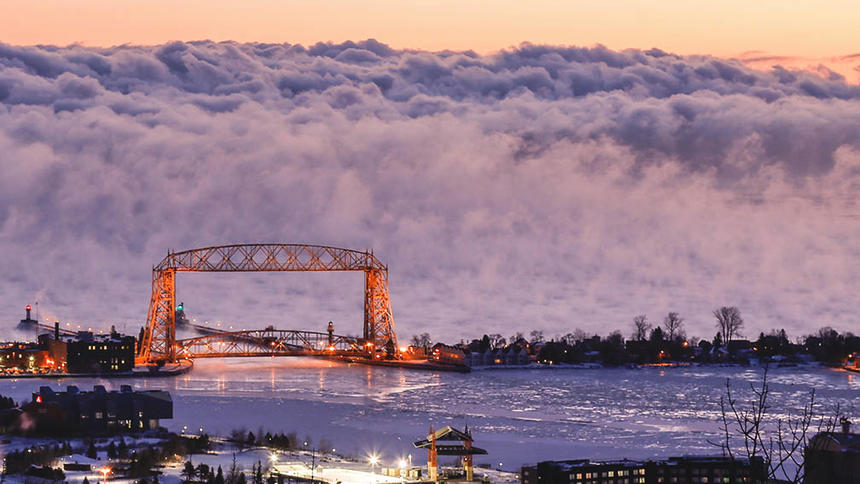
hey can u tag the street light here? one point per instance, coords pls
(313, 459)
(402, 470)
(105, 471)
(374, 459)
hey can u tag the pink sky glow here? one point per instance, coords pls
(802, 33)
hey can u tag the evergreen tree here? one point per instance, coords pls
(258, 476)
(188, 471)
(91, 451)
(111, 451)
(219, 476)
(86, 481)
(204, 472)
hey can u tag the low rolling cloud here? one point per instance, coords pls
(541, 187)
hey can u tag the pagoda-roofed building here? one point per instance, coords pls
(449, 441)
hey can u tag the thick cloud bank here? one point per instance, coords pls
(542, 187)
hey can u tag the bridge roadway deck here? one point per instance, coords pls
(266, 342)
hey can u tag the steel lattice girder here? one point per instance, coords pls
(160, 333)
(378, 318)
(159, 340)
(267, 342)
(270, 258)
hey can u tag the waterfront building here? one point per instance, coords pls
(707, 469)
(88, 353)
(833, 457)
(584, 471)
(516, 356)
(98, 411)
(450, 355)
(513, 356)
(675, 470)
(16, 357)
(80, 353)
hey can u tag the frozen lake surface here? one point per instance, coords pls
(519, 416)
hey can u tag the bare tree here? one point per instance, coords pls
(536, 336)
(496, 341)
(673, 322)
(729, 322)
(516, 337)
(782, 444)
(575, 337)
(642, 327)
(423, 340)
(234, 472)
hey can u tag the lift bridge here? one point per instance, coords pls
(267, 342)
(158, 343)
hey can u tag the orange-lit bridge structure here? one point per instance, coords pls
(159, 345)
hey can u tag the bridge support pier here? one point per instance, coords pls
(159, 335)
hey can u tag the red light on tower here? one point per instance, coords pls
(28, 307)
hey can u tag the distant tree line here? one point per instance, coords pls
(6, 403)
(202, 474)
(668, 342)
(18, 461)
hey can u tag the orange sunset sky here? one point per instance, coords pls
(803, 33)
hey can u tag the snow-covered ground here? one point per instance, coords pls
(326, 466)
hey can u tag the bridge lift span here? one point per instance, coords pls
(159, 343)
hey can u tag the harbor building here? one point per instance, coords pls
(833, 457)
(110, 353)
(713, 469)
(66, 352)
(98, 411)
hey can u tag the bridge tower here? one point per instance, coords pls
(158, 344)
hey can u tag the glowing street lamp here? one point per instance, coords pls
(374, 459)
(402, 465)
(105, 471)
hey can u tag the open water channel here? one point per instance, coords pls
(518, 416)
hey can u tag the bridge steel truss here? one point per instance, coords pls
(159, 337)
(266, 342)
